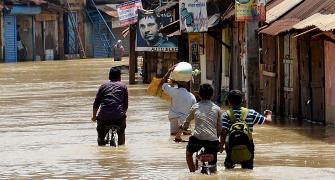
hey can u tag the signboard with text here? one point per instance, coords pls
(148, 37)
(193, 16)
(128, 12)
(250, 10)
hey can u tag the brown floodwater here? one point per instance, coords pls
(46, 132)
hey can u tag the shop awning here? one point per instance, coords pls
(53, 7)
(109, 9)
(281, 9)
(25, 10)
(125, 32)
(166, 7)
(324, 22)
(214, 20)
(279, 26)
(45, 5)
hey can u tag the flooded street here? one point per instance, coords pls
(46, 132)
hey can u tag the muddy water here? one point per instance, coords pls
(46, 133)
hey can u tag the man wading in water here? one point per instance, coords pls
(112, 98)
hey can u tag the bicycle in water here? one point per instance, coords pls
(112, 137)
(202, 158)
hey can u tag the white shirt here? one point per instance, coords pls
(181, 101)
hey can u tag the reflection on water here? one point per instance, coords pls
(46, 133)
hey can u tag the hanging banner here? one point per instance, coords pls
(128, 12)
(250, 10)
(195, 41)
(193, 16)
(148, 37)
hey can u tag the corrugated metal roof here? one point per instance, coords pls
(280, 26)
(310, 7)
(109, 9)
(279, 10)
(324, 22)
(229, 13)
(303, 11)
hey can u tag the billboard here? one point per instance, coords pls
(193, 16)
(250, 10)
(148, 37)
(128, 12)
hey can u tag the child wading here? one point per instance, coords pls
(207, 116)
(237, 127)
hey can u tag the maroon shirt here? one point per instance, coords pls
(112, 98)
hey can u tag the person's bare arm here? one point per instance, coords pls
(167, 75)
(223, 139)
(185, 126)
(219, 124)
(268, 116)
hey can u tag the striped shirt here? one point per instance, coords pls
(207, 117)
(253, 117)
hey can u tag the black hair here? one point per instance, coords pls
(147, 14)
(114, 73)
(206, 91)
(235, 97)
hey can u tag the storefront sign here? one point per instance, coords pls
(128, 12)
(148, 37)
(250, 10)
(193, 16)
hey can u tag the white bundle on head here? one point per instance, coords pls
(182, 72)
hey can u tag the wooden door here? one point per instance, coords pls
(317, 83)
(39, 43)
(288, 77)
(269, 73)
(304, 68)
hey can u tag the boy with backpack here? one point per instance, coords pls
(236, 135)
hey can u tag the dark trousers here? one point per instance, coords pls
(245, 165)
(102, 131)
(211, 147)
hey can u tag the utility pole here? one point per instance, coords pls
(132, 53)
(252, 79)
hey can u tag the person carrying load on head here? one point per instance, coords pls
(237, 127)
(181, 99)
